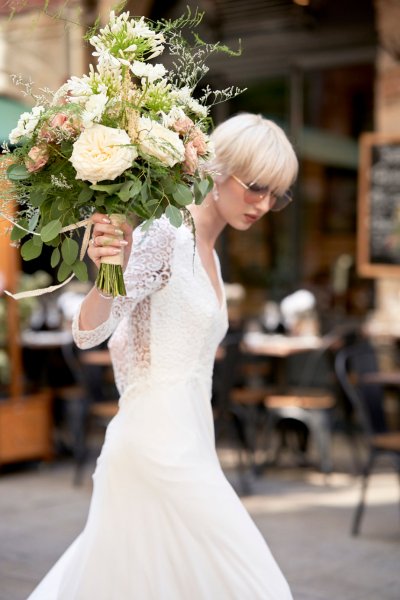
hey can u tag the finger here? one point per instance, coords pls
(98, 252)
(106, 241)
(100, 218)
(101, 228)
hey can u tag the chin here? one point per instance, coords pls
(239, 225)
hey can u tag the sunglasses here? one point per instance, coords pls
(256, 193)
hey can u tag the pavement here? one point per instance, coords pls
(304, 516)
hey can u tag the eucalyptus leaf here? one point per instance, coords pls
(182, 195)
(37, 241)
(174, 215)
(17, 233)
(109, 188)
(69, 250)
(38, 196)
(147, 224)
(17, 172)
(85, 195)
(29, 251)
(63, 271)
(124, 193)
(51, 230)
(80, 270)
(33, 221)
(55, 257)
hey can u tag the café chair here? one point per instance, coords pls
(305, 407)
(352, 365)
(235, 407)
(96, 405)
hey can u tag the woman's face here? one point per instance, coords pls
(239, 207)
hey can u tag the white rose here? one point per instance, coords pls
(160, 142)
(100, 153)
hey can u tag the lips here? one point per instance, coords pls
(251, 218)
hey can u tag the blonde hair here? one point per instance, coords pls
(256, 150)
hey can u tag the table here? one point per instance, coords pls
(280, 346)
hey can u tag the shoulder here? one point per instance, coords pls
(160, 235)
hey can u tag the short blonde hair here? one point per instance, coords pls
(256, 150)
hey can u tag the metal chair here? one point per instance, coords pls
(352, 364)
(306, 406)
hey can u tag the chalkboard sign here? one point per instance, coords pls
(379, 206)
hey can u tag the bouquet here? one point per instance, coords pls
(128, 138)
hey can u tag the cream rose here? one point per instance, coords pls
(160, 142)
(101, 153)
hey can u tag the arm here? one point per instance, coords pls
(147, 269)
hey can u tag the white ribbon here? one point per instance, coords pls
(85, 242)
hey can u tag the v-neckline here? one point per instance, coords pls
(221, 292)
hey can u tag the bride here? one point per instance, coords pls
(164, 522)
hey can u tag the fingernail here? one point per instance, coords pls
(115, 251)
(119, 232)
(123, 243)
(106, 220)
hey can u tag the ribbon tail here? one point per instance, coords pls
(39, 292)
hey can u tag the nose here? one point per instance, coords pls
(266, 203)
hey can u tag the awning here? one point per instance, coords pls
(10, 111)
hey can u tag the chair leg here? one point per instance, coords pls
(319, 422)
(361, 505)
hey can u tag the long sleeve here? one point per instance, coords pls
(148, 270)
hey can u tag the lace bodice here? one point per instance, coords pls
(169, 325)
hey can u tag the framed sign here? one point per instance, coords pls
(378, 236)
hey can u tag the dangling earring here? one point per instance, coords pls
(215, 193)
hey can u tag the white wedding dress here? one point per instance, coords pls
(164, 522)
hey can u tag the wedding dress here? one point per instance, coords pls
(164, 523)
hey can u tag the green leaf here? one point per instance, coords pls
(51, 230)
(66, 148)
(55, 257)
(109, 188)
(37, 241)
(69, 250)
(174, 215)
(17, 233)
(182, 195)
(147, 224)
(129, 190)
(85, 195)
(63, 271)
(33, 221)
(38, 195)
(63, 204)
(29, 251)
(202, 188)
(100, 198)
(17, 172)
(80, 270)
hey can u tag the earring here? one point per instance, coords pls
(215, 193)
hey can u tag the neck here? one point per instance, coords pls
(208, 222)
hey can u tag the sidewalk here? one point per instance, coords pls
(304, 518)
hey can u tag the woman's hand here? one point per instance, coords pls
(108, 240)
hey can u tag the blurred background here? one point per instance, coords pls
(308, 377)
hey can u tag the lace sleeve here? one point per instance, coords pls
(148, 270)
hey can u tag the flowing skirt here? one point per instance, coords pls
(164, 523)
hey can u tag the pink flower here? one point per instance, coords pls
(36, 159)
(68, 124)
(183, 125)
(198, 140)
(58, 120)
(191, 159)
